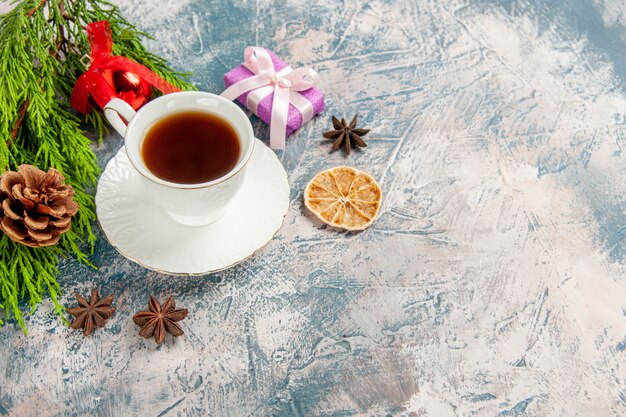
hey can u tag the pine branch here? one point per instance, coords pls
(42, 43)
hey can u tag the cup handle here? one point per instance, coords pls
(114, 110)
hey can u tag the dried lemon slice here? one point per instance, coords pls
(344, 197)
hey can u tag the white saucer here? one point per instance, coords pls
(140, 231)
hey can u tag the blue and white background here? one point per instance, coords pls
(493, 282)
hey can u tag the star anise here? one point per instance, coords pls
(159, 319)
(91, 314)
(347, 135)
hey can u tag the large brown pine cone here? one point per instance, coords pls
(35, 207)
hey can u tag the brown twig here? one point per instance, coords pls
(18, 122)
(64, 12)
(61, 42)
(37, 7)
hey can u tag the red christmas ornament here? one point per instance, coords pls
(126, 81)
(129, 87)
(112, 76)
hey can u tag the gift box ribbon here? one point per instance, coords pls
(93, 81)
(284, 84)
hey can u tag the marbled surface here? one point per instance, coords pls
(492, 284)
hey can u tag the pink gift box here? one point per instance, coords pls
(264, 109)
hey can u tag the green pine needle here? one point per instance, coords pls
(41, 44)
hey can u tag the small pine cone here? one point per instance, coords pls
(35, 207)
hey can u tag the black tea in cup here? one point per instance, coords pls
(190, 147)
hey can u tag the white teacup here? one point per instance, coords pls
(188, 204)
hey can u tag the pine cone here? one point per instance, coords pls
(35, 207)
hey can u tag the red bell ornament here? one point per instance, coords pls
(110, 76)
(125, 81)
(129, 87)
